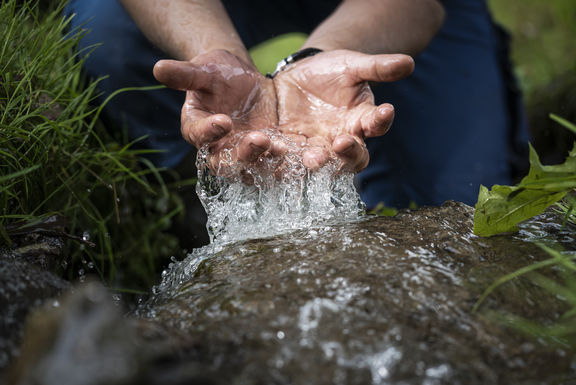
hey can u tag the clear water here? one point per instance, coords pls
(281, 195)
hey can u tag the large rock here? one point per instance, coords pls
(377, 301)
(382, 301)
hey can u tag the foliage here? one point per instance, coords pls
(544, 44)
(383, 211)
(563, 331)
(56, 158)
(500, 210)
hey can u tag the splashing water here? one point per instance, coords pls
(282, 195)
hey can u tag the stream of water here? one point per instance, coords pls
(272, 203)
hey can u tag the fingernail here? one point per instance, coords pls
(220, 131)
(256, 147)
(347, 149)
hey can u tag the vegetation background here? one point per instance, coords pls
(544, 53)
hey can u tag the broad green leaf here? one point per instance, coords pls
(501, 209)
(547, 176)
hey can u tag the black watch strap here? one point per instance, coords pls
(282, 64)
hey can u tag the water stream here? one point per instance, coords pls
(281, 195)
(272, 203)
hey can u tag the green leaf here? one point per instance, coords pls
(501, 209)
(547, 176)
(18, 174)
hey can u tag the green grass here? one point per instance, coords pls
(56, 158)
(560, 332)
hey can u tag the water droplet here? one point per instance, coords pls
(280, 335)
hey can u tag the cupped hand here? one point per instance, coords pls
(325, 102)
(225, 96)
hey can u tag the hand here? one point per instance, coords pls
(325, 103)
(224, 96)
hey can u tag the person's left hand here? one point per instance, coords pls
(325, 104)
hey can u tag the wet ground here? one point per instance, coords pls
(375, 301)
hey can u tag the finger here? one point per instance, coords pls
(317, 153)
(183, 75)
(380, 68)
(314, 158)
(286, 143)
(352, 152)
(377, 121)
(251, 146)
(200, 128)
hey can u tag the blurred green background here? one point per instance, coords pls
(544, 53)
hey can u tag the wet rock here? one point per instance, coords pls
(377, 301)
(86, 340)
(25, 284)
(83, 339)
(381, 301)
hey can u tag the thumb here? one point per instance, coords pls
(183, 75)
(380, 68)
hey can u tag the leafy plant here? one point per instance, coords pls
(56, 158)
(500, 209)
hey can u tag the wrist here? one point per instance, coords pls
(237, 50)
(296, 56)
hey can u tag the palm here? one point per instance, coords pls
(327, 100)
(315, 102)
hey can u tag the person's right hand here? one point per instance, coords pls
(224, 96)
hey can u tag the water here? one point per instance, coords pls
(299, 287)
(375, 301)
(281, 195)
